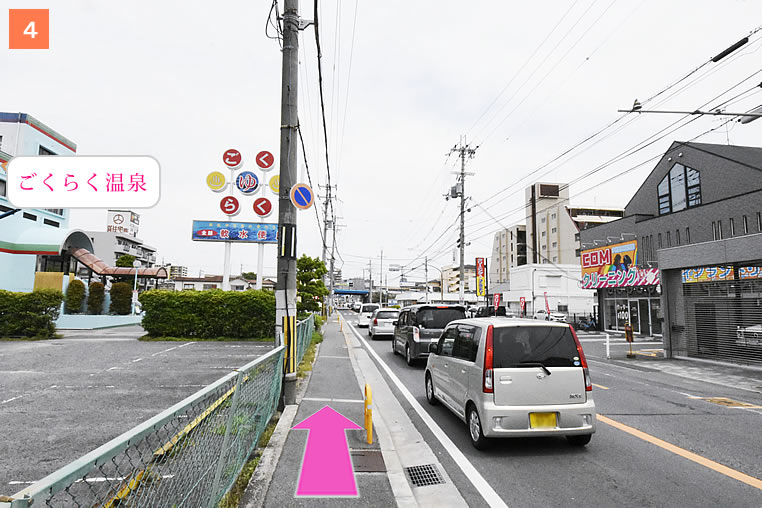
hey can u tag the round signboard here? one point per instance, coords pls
(263, 207)
(265, 160)
(216, 181)
(275, 184)
(302, 196)
(232, 158)
(247, 182)
(230, 205)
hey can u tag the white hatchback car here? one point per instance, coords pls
(382, 322)
(513, 378)
(366, 311)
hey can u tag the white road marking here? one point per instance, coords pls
(477, 480)
(328, 356)
(11, 399)
(136, 360)
(112, 368)
(323, 399)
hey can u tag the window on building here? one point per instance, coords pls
(714, 230)
(543, 233)
(1, 143)
(719, 230)
(677, 237)
(544, 247)
(57, 211)
(30, 216)
(3, 188)
(553, 216)
(555, 259)
(732, 227)
(759, 222)
(210, 286)
(745, 225)
(44, 151)
(660, 239)
(555, 244)
(669, 240)
(553, 230)
(687, 235)
(542, 220)
(679, 189)
(544, 261)
(187, 286)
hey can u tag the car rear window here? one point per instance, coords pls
(387, 314)
(438, 317)
(369, 308)
(553, 346)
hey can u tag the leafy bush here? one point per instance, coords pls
(75, 295)
(95, 298)
(209, 314)
(121, 298)
(29, 314)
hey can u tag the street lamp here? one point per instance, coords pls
(136, 264)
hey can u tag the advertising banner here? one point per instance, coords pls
(481, 279)
(496, 300)
(708, 274)
(523, 305)
(615, 266)
(750, 272)
(618, 279)
(238, 232)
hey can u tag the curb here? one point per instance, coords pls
(256, 491)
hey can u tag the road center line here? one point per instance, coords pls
(600, 386)
(698, 459)
(472, 474)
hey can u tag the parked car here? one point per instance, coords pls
(365, 312)
(382, 322)
(356, 306)
(553, 316)
(513, 378)
(420, 325)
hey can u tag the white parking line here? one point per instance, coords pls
(477, 480)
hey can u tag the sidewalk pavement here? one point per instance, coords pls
(341, 370)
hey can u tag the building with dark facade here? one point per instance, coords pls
(685, 262)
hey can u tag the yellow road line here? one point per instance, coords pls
(600, 386)
(698, 459)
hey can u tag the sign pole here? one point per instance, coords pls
(260, 264)
(226, 269)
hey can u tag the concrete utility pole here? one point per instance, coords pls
(285, 288)
(426, 272)
(333, 276)
(381, 281)
(463, 151)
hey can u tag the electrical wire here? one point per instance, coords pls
(322, 106)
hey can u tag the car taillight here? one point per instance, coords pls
(583, 361)
(416, 333)
(488, 386)
(375, 322)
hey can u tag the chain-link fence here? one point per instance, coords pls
(189, 455)
(304, 331)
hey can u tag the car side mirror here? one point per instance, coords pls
(395, 322)
(434, 348)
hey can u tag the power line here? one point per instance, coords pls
(322, 101)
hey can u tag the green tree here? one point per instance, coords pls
(309, 283)
(249, 275)
(75, 295)
(125, 261)
(95, 298)
(121, 298)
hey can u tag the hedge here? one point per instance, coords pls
(75, 296)
(121, 298)
(95, 298)
(29, 314)
(209, 314)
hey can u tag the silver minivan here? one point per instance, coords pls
(513, 378)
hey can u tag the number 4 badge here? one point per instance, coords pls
(28, 28)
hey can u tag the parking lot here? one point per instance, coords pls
(62, 398)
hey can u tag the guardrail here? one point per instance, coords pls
(188, 455)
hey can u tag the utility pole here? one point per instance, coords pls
(381, 281)
(534, 225)
(370, 276)
(285, 288)
(426, 272)
(332, 275)
(463, 151)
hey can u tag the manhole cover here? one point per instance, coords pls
(368, 461)
(421, 476)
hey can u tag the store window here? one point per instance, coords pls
(679, 189)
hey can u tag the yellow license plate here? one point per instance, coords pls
(543, 420)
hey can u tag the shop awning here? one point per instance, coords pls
(45, 241)
(98, 266)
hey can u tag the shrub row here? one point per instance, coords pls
(209, 314)
(29, 314)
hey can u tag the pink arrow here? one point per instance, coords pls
(327, 466)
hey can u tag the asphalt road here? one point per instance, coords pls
(60, 399)
(616, 468)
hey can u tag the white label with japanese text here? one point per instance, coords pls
(83, 181)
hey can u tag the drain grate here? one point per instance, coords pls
(421, 476)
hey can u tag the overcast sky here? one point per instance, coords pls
(403, 81)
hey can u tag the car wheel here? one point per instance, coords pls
(408, 357)
(370, 334)
(430, 397)
(579, 440)
(475, 429)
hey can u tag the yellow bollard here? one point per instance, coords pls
(369, 414)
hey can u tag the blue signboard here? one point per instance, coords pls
(216, 231)
(247, 182)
